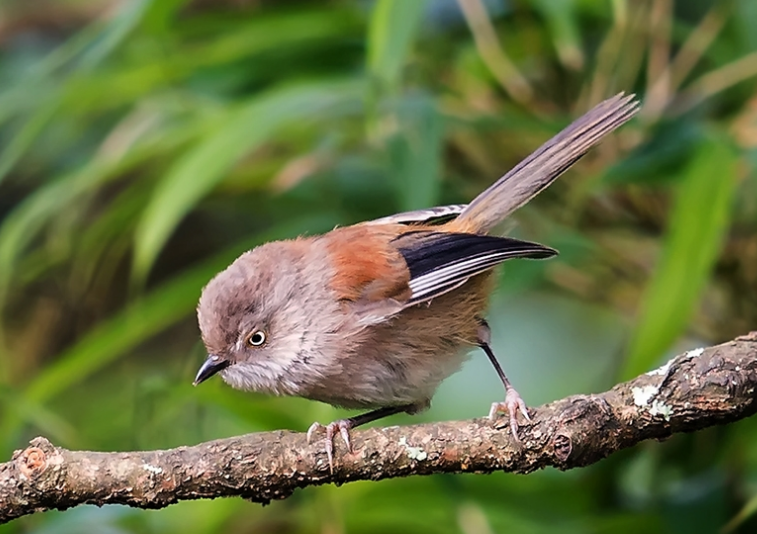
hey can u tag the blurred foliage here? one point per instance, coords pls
(146, 143)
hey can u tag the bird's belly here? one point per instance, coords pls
(392, 382)
(403, 360)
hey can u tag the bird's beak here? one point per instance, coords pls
(210, 367)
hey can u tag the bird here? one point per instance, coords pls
(375, 315)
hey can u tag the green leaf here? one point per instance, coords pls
(26, 222)
(392, 28)
(44, 419)
(747, 511)
(115, 32)
(27, 134)
(43, 108)
(204, 166)
(417, 154)
(564, 29)
(696, 230)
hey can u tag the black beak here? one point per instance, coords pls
(211, 366)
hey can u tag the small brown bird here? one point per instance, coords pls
(378, 314)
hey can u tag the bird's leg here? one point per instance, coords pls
(513, 402)
(343, 426)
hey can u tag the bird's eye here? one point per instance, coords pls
(256, 339)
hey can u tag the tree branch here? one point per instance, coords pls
(700, 388)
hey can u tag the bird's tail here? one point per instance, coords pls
(537, 171)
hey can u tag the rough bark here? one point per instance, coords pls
(697, 389)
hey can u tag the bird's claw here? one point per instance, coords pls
(512, 404)
(343, 426)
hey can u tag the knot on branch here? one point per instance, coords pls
(33, 460)
(563, 446)
(751, 336)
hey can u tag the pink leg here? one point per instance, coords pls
(343, 426)
(513, 401)
(513, 404)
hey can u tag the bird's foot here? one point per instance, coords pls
(512, 405)
(342, 426)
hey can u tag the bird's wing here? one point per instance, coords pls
(432, 216)
(441, 261)
(381, 270)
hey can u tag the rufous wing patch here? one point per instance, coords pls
(366, 266)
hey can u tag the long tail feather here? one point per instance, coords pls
(545, 165)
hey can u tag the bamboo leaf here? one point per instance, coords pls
(392, 29)
(417, 154)
(203, 167)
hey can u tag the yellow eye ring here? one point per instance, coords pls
(256, 339)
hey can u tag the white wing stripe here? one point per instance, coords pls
(422, 215)
(438, 291)
(450, 273)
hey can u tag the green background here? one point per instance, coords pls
(144, 144)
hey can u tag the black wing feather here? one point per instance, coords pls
(441, 261)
